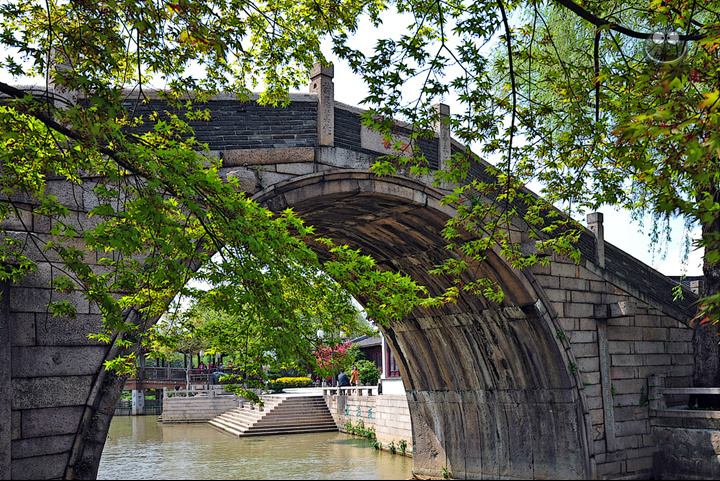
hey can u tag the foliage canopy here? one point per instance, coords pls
(602, 102)
(161, 209)
(599, 103)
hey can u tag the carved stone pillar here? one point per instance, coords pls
(321, 82)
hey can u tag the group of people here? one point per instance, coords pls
(202, 367)
(354, 379)
(321, 382)
(343, 379)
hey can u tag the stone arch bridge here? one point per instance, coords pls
(551, 384)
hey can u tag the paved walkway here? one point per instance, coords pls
(299, 391)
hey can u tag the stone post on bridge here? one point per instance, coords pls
(321, 82)
(62, 96)
(595, 224)
(442, 129)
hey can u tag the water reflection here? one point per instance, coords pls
(139, 448)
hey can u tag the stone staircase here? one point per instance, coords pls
(280, 415)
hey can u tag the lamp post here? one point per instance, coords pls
(320, 335)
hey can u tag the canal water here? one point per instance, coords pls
(138, 447)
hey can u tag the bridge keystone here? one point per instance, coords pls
(246, 179)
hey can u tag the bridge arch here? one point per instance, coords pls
(522, 389)
(488, 384)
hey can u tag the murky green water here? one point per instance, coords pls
(140, 448)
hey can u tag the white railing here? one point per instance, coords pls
(351, 391)
(213, 391)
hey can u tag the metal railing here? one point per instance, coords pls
(660, 396)
(212, 391)
(169, 373)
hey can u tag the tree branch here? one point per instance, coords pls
(599, 22)
(53, 125)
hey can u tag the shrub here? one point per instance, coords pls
(276, 386)
(369, 374)
(403, 446)
(248, 394)
(360, 429)
(294, 381)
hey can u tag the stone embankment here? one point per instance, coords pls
(387, 413)
(196, 406)
(688, 438)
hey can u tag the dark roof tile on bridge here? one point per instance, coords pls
(648, 281)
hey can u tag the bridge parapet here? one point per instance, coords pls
(688, 437)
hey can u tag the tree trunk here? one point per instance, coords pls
(706, 372)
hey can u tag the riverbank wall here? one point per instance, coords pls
(387, 413)
(196, 406)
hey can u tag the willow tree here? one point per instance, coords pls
(600, 103)
(162, 209)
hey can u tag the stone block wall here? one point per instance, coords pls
(57, 393)
(235, 124)
(687, 452)
(348, 126)
(197, 409)
(617, 337)
(388, 414)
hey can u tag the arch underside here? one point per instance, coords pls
(488, 388)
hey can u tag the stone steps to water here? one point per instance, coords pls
(245, 428)
(280, 415)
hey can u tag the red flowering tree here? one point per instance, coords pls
(329, 359)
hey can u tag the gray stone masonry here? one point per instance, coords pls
(197, 409)
(389, 415)
(640, 340)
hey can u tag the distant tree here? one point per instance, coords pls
(330, 360)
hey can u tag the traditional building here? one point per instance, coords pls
(376, 350)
